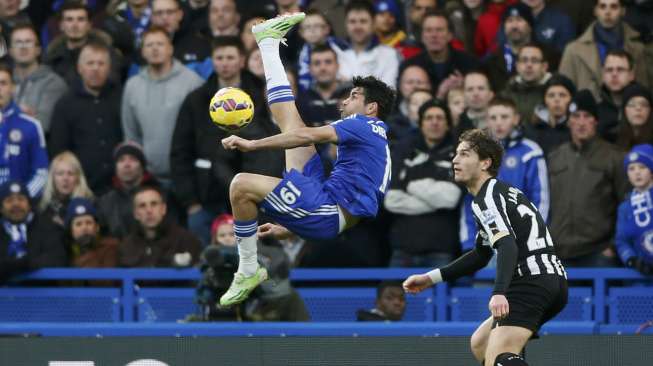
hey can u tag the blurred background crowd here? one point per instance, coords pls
(109, 157)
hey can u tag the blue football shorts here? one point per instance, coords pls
(300, 203)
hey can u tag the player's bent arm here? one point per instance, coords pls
(304, 136)
(506, 261)
(465, 265)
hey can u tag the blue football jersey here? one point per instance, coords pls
(361, 173)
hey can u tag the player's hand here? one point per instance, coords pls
(234, 142)
(499, 306)
(274, 231)
(417, 283)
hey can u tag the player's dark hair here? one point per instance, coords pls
(434, 103)
(74, 5)
(360, 5)
(380, 288)
(228, 41)
(376, 91)
(485, 146)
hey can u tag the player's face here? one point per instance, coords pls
(502, 120)
(392, 303)
(355, 104)
(149, 209)
(467, 166)
(640, 176)
(638, 111)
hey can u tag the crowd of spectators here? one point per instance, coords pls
(109, 157)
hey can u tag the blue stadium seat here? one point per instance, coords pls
(470, 304)
(165, 304)
(630, 305)
(64, 304)
(341, 304)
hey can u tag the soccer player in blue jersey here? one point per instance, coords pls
(305, 202)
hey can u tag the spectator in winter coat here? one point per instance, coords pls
(37, 87)
(88, 248)
(617, 73)
(27, 241)
(422, 196)
(86, 120)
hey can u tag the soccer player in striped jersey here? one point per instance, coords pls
(305, 201)
(530, 285)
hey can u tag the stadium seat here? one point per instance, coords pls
(341, 304)
(65, 304)
(630, 305)
(165, 304)
(471, 304)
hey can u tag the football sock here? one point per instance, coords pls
(509, 359)
(275, 76)
(246, 239)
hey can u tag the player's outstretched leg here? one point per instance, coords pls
(245, 193)
(506, 339)
(281, 100)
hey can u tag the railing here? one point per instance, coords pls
(598, 278)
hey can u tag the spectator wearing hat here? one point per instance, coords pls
(618, 72)
(488, 25)
(222, 231)
(86, 120)
(87, 247)
(115, 208)
(634, 239)
(422, 195)
(22, 144)
(156, 241)
(587, 183)
(636, 125)
(387, 24)
(549, 125)
(27, 241)
(582, 58)
(517, 25)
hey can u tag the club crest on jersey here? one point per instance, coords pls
(511, 162)
(15, 135)
(487, 217)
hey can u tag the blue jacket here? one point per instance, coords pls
(634, 237)
(523, 166)
(553, 28)
(23, 150)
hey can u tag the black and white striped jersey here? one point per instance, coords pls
(501, 210)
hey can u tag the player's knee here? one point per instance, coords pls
(478, 344)
(509, 359)
(238, 188)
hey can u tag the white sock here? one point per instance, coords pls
(246, 240)
(275, 74)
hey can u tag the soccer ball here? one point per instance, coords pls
(231, 109)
